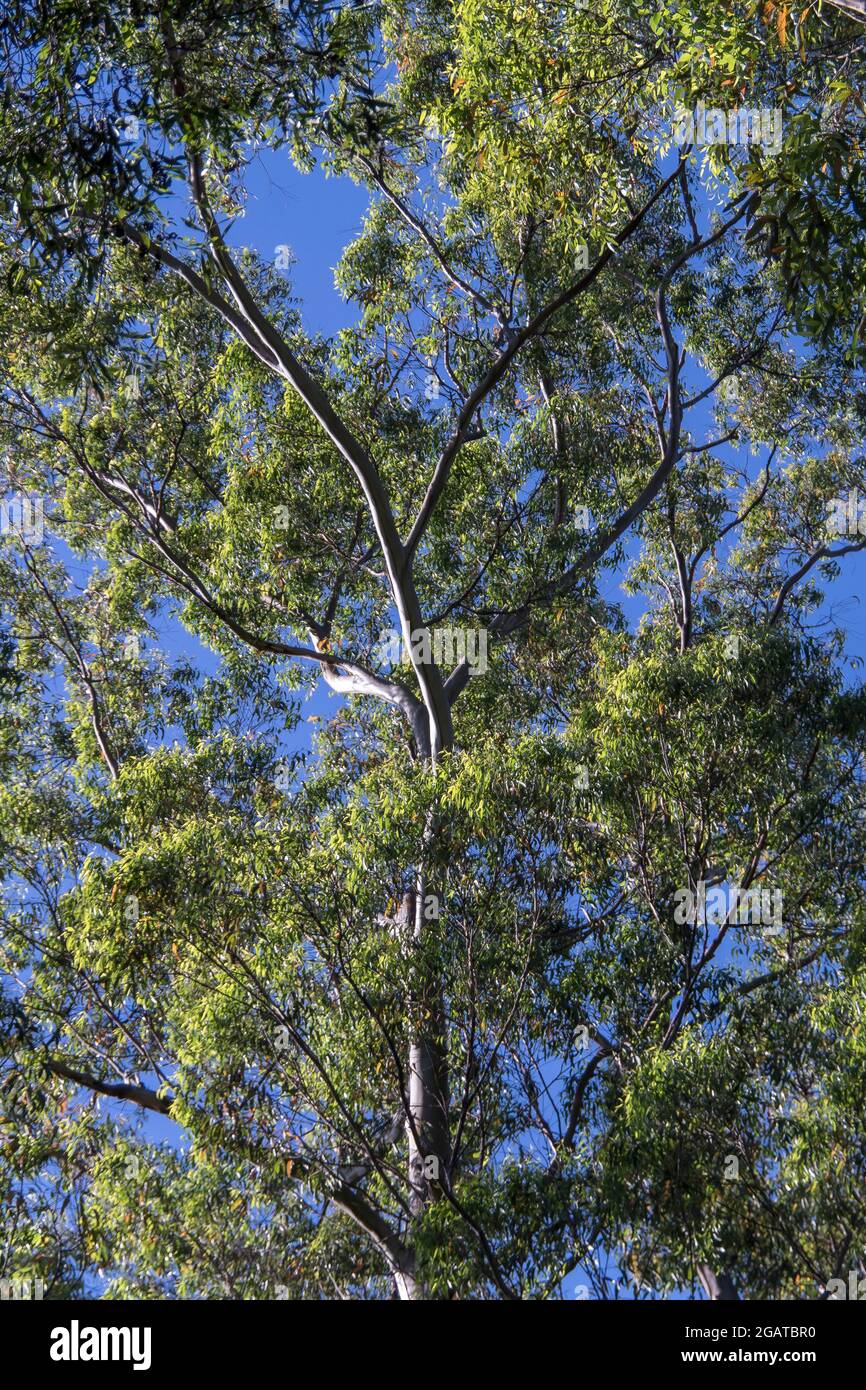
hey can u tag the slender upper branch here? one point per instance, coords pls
(511, 621)
(514, 342)
(823, 552)
(139, 1095)
(414, 221)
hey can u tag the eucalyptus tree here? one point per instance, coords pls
(542, 967)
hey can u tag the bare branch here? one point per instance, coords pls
(139, 1095)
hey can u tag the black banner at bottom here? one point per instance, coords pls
(88, 1340)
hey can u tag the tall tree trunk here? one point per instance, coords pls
(718, 1287)
(428, 1132)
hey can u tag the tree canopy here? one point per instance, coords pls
(543, 967)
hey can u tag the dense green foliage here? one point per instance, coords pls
(449, 924)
